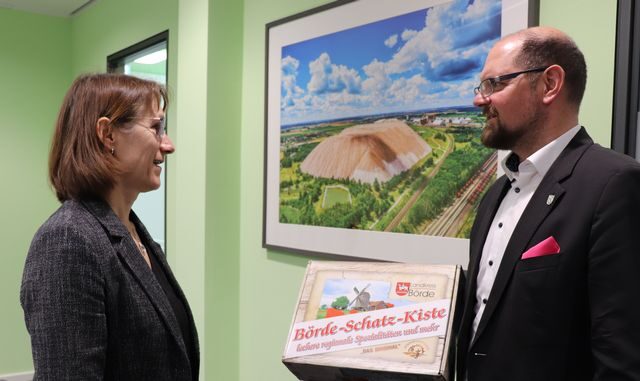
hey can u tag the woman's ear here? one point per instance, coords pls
(105, 133)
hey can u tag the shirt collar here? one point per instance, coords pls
(542, 159)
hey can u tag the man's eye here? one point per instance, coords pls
(498, 85)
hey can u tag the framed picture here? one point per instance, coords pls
(372, 145)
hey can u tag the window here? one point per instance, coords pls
(148, 60)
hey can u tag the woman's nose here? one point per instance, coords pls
(166, 145)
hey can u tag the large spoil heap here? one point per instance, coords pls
(367, 152)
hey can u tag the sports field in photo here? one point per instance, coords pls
(335, 194)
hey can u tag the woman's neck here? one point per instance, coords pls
(120, 202)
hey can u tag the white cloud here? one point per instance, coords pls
(407, 91)
(290, 65)
(430, 68)
(391, 41)
(328, 77)
(478, 10)
(408, 34)
(480, 49)
(377, 79)
(290, 90)
(439, 41)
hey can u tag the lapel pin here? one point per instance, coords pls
(550, 199)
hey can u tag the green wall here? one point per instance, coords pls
(34, 73)
(592, 25)
(108, 26)
(269, 280)
(224, 83)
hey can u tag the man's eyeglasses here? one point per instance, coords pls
(487, 86)
(158, 126)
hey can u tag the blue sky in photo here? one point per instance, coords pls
(365, 40)
(425, 59)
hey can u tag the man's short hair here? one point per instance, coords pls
(542, 51)
(80, 165)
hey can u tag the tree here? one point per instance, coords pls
(340, 303)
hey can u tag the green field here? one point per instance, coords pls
(335, 195)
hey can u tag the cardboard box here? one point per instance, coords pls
(358, 321)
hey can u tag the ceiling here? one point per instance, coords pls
(62, 8)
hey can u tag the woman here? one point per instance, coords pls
(99, 299)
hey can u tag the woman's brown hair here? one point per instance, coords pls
(80, 165)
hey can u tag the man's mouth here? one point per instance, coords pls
(490, 114)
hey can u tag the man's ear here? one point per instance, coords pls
(553, 81)
(104, 130)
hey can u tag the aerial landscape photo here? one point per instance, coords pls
(384, 137)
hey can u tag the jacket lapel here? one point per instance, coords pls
(539, 207)
(131, 257)
(162, 261)
(490, 204)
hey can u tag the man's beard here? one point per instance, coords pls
(498, 136)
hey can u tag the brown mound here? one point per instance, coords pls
(367, 152)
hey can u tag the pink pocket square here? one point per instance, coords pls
(547, 247)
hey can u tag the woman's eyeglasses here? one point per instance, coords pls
(158, 126)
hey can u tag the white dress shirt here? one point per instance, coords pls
(524, 183)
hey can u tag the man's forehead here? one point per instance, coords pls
(501, 57)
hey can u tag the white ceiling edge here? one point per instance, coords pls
(58, 8)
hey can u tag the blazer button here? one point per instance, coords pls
(484, 300)
(517, 190)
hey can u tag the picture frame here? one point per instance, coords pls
(369, 125)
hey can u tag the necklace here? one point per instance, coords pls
(141, 248)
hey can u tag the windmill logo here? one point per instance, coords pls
(402, 288)
(361, 301)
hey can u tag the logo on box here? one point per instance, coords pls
(402, 288)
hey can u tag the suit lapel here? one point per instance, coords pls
(492, 202)
(484, 217)
(548, 194)
(162, 262)
(532, 217)
(131, 257)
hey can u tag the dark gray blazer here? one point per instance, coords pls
(93, 307)
(572, 316)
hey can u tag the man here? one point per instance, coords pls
(554, 267)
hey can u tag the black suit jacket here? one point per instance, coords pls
(570, 316)
(93, 307)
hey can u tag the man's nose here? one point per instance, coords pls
(480, 100)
